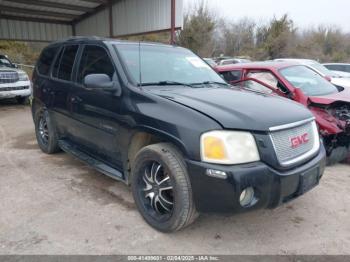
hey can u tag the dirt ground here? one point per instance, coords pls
(57, 205)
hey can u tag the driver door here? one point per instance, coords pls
(96, 112)
(267, 78)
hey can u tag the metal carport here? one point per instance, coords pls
(49, 20)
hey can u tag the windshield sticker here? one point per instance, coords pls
(196, 62)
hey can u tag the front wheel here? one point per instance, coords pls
(337, 155)
(162, 189)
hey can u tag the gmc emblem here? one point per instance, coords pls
(299, 140)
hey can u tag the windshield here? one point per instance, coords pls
(311, 83)
(5, 62)
(165, 64)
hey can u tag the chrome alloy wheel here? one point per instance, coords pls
(158, 189)
(43, 130)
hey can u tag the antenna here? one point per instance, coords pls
(140, 73)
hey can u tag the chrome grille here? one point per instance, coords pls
(282, 141)
(13, 88)
(8, 77)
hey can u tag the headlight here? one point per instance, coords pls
(22, 76)
(229, 147)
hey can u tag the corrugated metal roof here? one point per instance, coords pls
(67, 10)
(50, 20)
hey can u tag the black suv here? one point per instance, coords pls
(160, 119)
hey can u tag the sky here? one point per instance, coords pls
(305, 13)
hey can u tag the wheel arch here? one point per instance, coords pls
(143, 137)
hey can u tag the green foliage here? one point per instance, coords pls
(198, 30)
(278, 37)
(207, 36)
(20, 52)
(163, 37)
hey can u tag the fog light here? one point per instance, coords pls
(216, 173)
(247, 197)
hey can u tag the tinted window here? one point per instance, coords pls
(46, 59)
(232, 76)
(57, 63)
(338, 68)
(228, 62)
(95, 60)
(331, 67)
(67, 61)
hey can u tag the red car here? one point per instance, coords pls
(330, 104)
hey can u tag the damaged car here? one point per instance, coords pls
(330, 104)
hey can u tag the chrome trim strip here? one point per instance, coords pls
(291, 125)
(316, 147)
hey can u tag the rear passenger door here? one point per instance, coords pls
(61, 83)
(41, 77)
(96, 113)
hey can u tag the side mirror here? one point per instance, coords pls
(15, 66)
(101, 82)
(328, 78)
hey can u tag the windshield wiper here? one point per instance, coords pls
(211, 83)
(165, 83)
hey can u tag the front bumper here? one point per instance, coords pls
(24, 86)
(272, 187)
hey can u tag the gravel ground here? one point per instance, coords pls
(54, 204)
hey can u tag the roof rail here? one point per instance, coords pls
(76, 38)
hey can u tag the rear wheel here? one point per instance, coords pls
(162, 189)
(45, 132)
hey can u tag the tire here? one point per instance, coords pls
(22, 100)
(47, 138)
(337, 155)
(172, 173)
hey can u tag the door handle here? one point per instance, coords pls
(75, 99)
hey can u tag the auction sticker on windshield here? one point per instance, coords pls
(196, 62)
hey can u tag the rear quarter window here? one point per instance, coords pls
(46, 59)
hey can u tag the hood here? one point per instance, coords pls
(237, 109)
(343, 96)
(5, 68)
(339, 81)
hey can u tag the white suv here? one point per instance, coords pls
(333, 77)
(14, 83)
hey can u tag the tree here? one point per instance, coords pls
(238, 37)
(278, 38)
(198, 29)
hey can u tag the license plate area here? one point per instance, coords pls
(309, 180)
